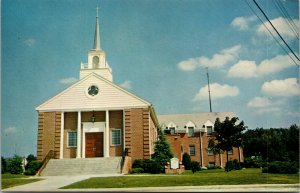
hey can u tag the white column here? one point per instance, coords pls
(61, 146)
(106, 135)
(78, 153)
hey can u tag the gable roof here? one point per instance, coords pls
(110, 96)
(199, 119)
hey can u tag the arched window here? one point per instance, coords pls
(95, 62)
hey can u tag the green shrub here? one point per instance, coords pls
(255, 162)
(229, 166)
(14, 165)
(232, 165)
(137, 170)
(3, 165)
(195, 166)
(138, 163)
(154, 167)
(280, 167)
(186, 161)
(32, 167)
(236, 164)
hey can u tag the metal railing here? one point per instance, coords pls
(49, 156)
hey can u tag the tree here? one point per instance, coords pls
(14, 165)
(186, 161)
(229, 134)
(213, 146)
(31, 158)
(3, 165)
(162, 152)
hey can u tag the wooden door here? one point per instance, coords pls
(94, 144)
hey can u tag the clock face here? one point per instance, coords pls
(93, 90)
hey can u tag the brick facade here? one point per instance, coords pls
(48, 134)
(140, 132)
(181, 142)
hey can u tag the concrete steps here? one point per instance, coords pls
(83, 166)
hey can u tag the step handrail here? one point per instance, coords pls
(124, 154)
(45, 161)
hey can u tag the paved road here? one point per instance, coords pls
(53, 183)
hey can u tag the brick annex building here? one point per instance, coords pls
(191, 133)
(95, 118)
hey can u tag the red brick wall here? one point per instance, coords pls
(48, 134)
(137, 133)
(177, 140)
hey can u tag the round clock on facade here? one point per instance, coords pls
(93, 90)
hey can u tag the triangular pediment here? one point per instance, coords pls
(76, 97)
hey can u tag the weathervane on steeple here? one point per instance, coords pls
(97, 8)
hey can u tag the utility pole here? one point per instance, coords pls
(208, 89)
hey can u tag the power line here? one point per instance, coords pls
(272, 34)
(276, 30)
(287, 18)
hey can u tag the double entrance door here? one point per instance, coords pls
(94, 144)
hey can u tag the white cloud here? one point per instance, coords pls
(242, 23)
(217, 91)
(286, 87)
(217, 61)
(249, 69)
(29, 42)
(68, 80)
(281, 25)
(243, 69)
(10, 130)
(268, 110)
(259, 102)
(127, 84)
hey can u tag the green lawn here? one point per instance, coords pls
(11, 180)
(206, 177)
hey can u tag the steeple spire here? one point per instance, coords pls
(97, 33)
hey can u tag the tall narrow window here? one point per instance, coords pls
(209, 130)
(229, 151)
(172, 130)
(192, 150)
(116, 136)
(191, 131)
(72, 139)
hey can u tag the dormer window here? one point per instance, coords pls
(172, 130)
(209, 130)
(191, 131)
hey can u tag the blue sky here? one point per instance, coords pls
(158, 49)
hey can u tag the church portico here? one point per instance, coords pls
(78, 128)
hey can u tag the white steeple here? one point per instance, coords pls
(97, 33)
(96, 58)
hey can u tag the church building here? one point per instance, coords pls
(94, 117)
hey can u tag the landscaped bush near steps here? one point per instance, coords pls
(281, 167)
(147, 166)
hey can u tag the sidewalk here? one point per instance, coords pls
(53, 183)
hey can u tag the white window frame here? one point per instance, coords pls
(230, 152)
(210, 151)
(111, 137)
(172, 128)
(190, 150)
(193, 132)
(68, 138)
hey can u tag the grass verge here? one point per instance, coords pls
(11, 180)
(207, 177)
